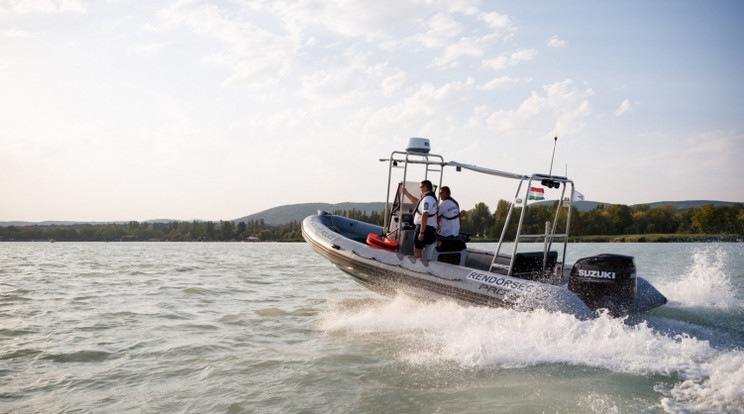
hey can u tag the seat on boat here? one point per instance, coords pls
(407, 221)
(529, 265)
(449, 249)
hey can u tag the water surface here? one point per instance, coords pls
(274, 328)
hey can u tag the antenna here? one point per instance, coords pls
(555, 141)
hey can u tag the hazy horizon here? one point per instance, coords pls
(7, 222)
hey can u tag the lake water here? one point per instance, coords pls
(274, 328)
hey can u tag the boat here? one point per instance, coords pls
(526, 270)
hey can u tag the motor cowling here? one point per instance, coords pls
(604, 281)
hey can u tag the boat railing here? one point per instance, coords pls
(548, 236)
(433, 163)
(540, 236)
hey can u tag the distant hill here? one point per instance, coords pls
(297, 212)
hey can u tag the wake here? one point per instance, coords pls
(445, 333)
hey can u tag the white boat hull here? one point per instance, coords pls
(339, 239)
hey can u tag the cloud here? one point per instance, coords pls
(375, 22)
(522, 56)
(267, 43)
(441, 29)
(148, 49)
(515, 58)
(503, 82)
(716, 142)
(427, 109)
(560, 109)
(555, 42)
(42, 6)
(465, 47)
(496, 20)
(260, 53)
(392, 81)
(500, 24)
(342, 81)
(624, 107)
(497, 63)
(16, 32)
(254, 56)
(476, 46)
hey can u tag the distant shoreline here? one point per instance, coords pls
(648, 238)
(629, 238)
(662, 238)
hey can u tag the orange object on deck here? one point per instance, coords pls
(383, 243)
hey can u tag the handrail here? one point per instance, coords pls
(489, 171)
(539, 236)
(550, 230)
(406, 158)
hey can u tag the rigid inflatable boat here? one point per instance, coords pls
(514, 275)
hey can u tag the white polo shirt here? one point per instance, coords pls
(428, 204)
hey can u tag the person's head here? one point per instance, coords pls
(426, 186)
(444, 192)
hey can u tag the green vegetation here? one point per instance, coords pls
(612, 223)
(618, 223)
(172, 231)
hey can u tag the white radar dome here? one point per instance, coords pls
(418, 145)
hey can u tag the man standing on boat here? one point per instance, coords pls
(449, 214)
(425, 217)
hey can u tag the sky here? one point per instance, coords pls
(213, 110)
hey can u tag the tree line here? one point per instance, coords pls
(479, 222)
(253, 230)
(611, 220)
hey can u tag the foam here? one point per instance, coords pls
(446, 333)
(705, 283)
(722, 389)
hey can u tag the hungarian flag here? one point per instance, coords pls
(536, 193)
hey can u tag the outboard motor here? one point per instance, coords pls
(604, 281)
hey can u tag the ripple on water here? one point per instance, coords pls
(198, 291)
(21, 354)
(11, 333)
(269, 312)
(235, 319)
(79, 356)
